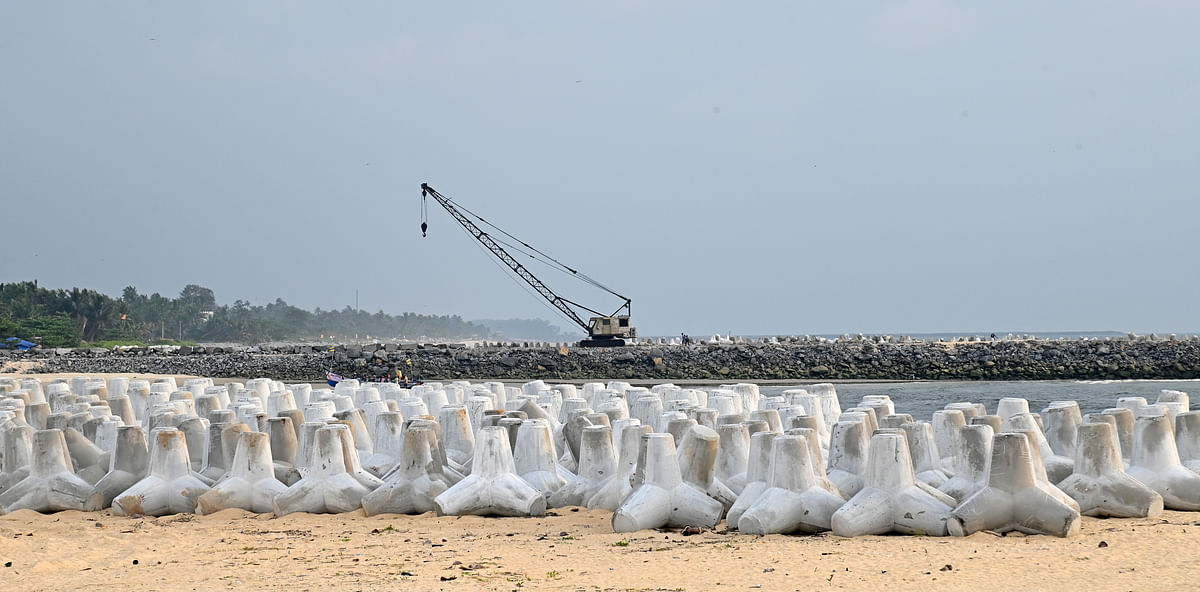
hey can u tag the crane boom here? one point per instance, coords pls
(602, 329)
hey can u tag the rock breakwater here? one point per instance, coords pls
(794, 359)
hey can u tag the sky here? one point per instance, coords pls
(755, 168)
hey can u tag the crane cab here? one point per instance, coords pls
(609, 331)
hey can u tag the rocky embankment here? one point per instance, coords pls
(848, 359)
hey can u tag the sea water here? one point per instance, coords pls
(921, 399)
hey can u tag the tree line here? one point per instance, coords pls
(68, 318)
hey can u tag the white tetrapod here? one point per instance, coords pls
(195, 431)
(1061, 419)
(895, 420)
(51, 485)
(733, 455)
(597, 462)
(417, 480)
(756, 476)
(848, 456)
(817, 459)
(534, 457)
(352, 460)
(327, 487)
(1010, 406)
(661, 497)
(387, 429)
(130, 461)
(1014, 498)
(946, 426)
(890, 500)
(1124, 419)
(1156, 463)
(992, 421)
(924, 453)
(1100, 484)
(697, 455)
(1187, 439)
(973, 462)
(18, 454)
(90, 461)
(170, 487)
(251, 484)
(1058, 467)
(493, 488)
(284, 445)
(794, 500)
(458, 437)
(613, 490)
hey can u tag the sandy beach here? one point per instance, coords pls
(567, 549)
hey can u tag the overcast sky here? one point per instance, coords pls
(760, 168)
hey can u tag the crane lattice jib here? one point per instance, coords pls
(559, 302)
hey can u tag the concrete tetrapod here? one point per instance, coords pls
(733, 455)
(613, 490)
(597, 463)
(663, 498)
(924, 453)
(1124, 421)
(353, 464)
(130, 461)
(972, 463)
(890, 500)
(1014, 499)
(251, 484)
(1156, 463)
(416, 481)
(458, 437)
(1061, 419)
(794, 501)
(1100, 484)
(756, 476)
(1057, 467)
(534, 457)
(51, 485)
(817, 459)
(18, 453)
(946, 426)
(387, 429)
(326, 488)
(697, 455)
(170, 487)
(283, 441)
(848, 446)
(90, 462)
(493, 488)
(1187, 439)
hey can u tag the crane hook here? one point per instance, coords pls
(424, 212)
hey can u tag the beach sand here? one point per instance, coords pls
(568, 549)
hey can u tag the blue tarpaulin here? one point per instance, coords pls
(18, 343)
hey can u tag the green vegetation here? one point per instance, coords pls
(70, 318)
